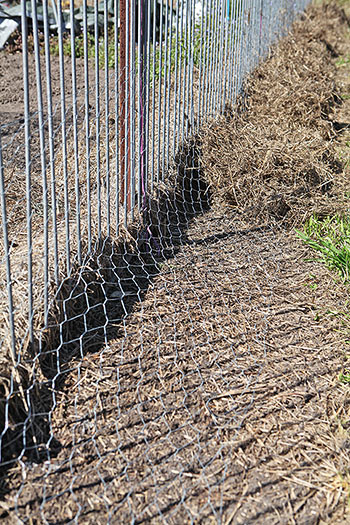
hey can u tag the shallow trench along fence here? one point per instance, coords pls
(99, 174)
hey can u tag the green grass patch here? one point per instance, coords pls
(157, 66)
(343, 61)
(330, 238)
(344, 378)
(79, 48)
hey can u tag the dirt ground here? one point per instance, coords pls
(12, 103)
(219, 400)
(220, 404)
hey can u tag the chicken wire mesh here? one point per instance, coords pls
(121, 326)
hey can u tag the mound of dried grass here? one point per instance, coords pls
(274, 156)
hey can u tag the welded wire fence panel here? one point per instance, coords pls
(99, 174)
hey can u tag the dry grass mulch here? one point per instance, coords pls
(219, 402)
(276, 158)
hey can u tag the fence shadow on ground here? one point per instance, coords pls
(93, 302)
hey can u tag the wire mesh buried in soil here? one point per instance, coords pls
(162, 412)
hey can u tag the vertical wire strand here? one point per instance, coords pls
(64, 138)
(122, 99)
(255, 35)
(213, 80)
(201, 66)
(216, 58)
(154, 44)
(28, 168)
(220, 48)
(165, 86)
(231, 53)
(132, 110)
(249, 33)
(190, 121)
(87, 124)
(160, 47)
(97, 121)
(7, 259)
(210, 58)
(206, 60)
(42, 160)
(240, 47)
(185, 70)
(127, 115)
(253, 31)
(261, 23)
(236, 48)
(180, 106)
(147, 100)
(228, 53)
(169, 81)
(144, 27)
(225, 32)
(140, 123)
(51, 141)
(176, 72)
(75, 131)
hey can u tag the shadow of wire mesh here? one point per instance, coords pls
(91, 305)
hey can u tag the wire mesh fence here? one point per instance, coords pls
(100, 179)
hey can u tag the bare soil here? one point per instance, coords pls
(12, 103)
(220, 403)
(218, 400)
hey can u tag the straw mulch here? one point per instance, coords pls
(276, 159)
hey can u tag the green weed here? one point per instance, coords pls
(343, 61)
(330, 237)
(158, 67)
(344, 378)
(79, 48)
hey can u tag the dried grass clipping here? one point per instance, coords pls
(273, 156)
